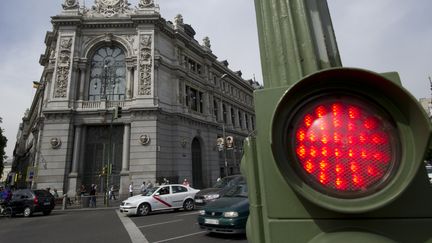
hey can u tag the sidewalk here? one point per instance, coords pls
(83, 204)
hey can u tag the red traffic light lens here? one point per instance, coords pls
(343, 146)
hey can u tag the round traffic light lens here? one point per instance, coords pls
(343, 146)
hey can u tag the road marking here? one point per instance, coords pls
(167, 222)
(135, 234)
(185, 214)
(179, 237)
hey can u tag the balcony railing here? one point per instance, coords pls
(98, 105)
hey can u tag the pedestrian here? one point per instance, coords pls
(56, 195)
(185, 182)
(111, 193)
(149, 184)
(143, 187)
(131, 189)
(93, 196)
(83, 190)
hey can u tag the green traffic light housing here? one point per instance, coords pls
(348, 139)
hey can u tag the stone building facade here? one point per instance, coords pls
(176, 100)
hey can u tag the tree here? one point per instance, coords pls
(3, 142)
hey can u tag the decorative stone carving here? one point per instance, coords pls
(145, 65)
(110, 8)
(55, 143)
(63, 67)
(144, 139)
(178, 21)
(206, 42)
(70, 4)
(146, 4)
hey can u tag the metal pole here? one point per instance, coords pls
(109, 161)
(224, 149)
(223, 131)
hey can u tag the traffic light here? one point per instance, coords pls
(104, 170)
(117, 112)
(339, 158)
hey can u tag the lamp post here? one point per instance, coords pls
(223, 132)
(108, 79)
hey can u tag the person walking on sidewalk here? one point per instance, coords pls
(111, 193)
(131, 189)
(93, 196)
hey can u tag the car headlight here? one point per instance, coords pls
(211, 196)
(230, 214)
(202, 212)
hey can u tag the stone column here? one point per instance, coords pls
(82, 82)
(124, 179)
(220, 115)
(75, 162)
(236, 115)
(229, 120)
(129, 82)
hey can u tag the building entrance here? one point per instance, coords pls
(96, 156)
(197, 181)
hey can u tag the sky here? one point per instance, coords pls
(379, 35)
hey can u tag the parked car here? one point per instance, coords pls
(218, 190)
(163, 197)
(228, 214)
(28, 202)
(429, 171)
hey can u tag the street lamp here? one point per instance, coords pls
(223, 131)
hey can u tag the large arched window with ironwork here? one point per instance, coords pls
(108, 74)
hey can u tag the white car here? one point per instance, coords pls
(429, 171)
(174, 196)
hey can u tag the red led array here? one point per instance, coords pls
(342, 146)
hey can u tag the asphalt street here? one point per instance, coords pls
(108, 225)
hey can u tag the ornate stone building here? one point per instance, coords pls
(176, 99)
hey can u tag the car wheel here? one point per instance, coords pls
(47, 212)
(8, 212)
(27, 212)
(143, 209)
(188, 205)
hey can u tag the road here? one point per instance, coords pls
(107, 225)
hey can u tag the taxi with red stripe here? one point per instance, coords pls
(173, 196)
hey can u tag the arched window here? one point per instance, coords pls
(108, 74)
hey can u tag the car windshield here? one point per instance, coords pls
(226, 181)
(239, 190)
(42, 193)
(149, 191)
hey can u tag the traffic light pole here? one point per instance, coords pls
(109, 161)
(296, 38)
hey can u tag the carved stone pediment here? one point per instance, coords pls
(110, 8)
(70, 4)
(146, 4)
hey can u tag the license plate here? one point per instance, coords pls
(211, 221)
(198, 200)
(47, 203)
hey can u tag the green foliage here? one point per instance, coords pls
(3, 141)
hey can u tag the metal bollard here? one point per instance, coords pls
(64, 206)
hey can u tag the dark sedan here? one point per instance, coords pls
(218, 190)
(228, 214)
